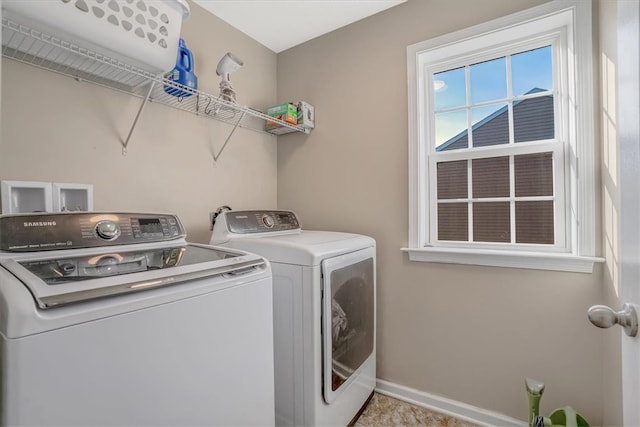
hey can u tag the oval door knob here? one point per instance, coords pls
(605, 317)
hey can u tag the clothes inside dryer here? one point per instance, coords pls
(352, 318)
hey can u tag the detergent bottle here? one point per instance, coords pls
(183, 73)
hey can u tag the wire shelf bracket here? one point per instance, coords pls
(125, 144)
(31, 46)
(217, 156)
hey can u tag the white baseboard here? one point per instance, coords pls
(446, 406)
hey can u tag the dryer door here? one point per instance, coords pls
(348, 318)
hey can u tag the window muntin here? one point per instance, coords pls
(470, 100)
(481, 199)
(494, 202)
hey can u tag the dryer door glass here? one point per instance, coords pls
(349, 321)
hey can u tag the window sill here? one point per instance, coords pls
(493, 258)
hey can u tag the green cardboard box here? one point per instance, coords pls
(287, 112)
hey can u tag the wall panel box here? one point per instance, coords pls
(72, 197)
(306, 115)
(25, 197)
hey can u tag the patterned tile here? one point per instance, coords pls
(384, 411)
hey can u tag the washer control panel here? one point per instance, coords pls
(261, 221)
(72, 230)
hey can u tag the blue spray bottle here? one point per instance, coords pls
(183, 73)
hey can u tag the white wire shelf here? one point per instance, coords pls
(33, 47)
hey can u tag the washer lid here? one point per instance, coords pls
(84, 275)
(303, 248)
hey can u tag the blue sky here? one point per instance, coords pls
(488, 82)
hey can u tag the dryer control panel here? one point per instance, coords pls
(261, 221)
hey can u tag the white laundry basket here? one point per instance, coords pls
(142, 33)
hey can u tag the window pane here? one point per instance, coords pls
(453, 221)
(490, 125)
(490, 177)
(450, 89)
(451, 130)
(488, 80)
(532, 71)
(491, 222)
(452, 180)
(534, 174)
(533, 119)
(534, 222)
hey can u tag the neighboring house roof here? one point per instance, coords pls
(533, 120)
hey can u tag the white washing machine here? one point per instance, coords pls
(114, 319)
(324, 306)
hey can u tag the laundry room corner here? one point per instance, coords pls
(57, 129)
(463, 332)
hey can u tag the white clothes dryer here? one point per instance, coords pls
(324, 306)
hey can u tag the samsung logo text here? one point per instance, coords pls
(40, 224)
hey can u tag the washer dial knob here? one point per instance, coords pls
(268, 221)
(107, 230)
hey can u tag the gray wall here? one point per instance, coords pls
(464, 332)
(56, 129)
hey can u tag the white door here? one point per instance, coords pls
(629, 145)
(628, 141)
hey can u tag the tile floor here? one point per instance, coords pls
(384, 411)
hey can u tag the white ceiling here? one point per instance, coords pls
(281, 24)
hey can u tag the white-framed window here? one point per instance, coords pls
(501, 142)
